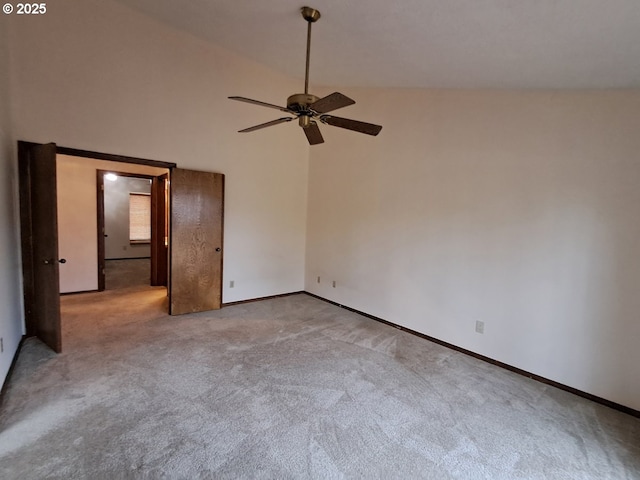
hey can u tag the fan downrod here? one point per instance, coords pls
(311, 15)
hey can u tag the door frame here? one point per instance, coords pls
(74, 152)
(160, 214)
(92, 155)
(101, 223)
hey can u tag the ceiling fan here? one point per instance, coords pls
(308, 108)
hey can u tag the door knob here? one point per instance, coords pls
(218, 249)
(63, 260)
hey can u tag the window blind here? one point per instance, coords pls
(139, 217)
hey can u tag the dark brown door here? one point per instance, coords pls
(39, 236)
(159, 231)
(101, 233)
(196, 211)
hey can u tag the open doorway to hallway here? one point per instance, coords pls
(196, 234)
(94, 220)
(133, 229)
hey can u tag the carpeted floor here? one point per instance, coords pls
(291, 387)
(127, 272)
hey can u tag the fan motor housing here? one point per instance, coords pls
(300, 102)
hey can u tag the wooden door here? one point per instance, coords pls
(196, 223)
(39, 237)
(101, 234)
(159, 231)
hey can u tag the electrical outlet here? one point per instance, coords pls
(232, 283)
(334, 284)
(318, 279)
(479, 326)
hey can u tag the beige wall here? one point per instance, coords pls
(77, 217)
(11, 317)
(516, 209)
(95, 75)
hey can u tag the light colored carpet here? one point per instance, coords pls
(124, 273)
(286, 388)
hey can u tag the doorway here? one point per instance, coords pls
(80, 213)
(133, 229)
(196, 222)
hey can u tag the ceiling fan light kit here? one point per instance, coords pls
(310, 109)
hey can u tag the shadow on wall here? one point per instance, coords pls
(118, 195)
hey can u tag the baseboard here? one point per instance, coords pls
(240, 302)
(519, 371)
(128, 258)
(77, 293)
(7, 379)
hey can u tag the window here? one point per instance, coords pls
(139, 218)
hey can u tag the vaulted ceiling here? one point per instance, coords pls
(426, 43)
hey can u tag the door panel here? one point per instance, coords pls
(101, 233)
(196, 212)
(39, 232)
(159, 231)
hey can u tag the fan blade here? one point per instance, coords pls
(313, 134)
(355, 125)
(262, 104)
(331, 102)
(265, 125)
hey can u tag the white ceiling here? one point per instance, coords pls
(426, 43)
